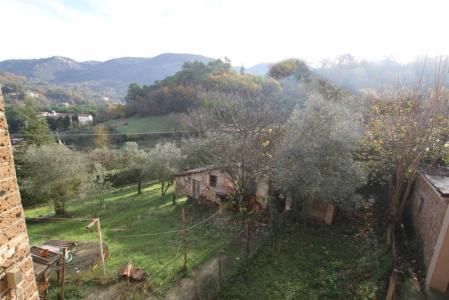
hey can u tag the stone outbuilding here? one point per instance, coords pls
(211, 184)
(430, 212)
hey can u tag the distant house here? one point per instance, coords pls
(430, 212)
(83, 119)
(212, 185)
(32, 94)
(16, 141)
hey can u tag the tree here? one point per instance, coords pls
(98, 184)
(289, 67)
(406, 128)
(137, 162)
(54, 173)
(101, 136)
(314, 160)
(35, 129)
(241, 131)
(165, 160)
(110, 159)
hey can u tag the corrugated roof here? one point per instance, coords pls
(197, 170)
(440, 182)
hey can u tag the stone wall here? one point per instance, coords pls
(14, 244)
(320, 212)
(428, 209)
(224, 186)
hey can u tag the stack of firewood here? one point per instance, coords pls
(130, 272)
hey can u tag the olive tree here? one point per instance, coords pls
(164, 163)
(54, 173)
(137, 162)
(314, 160)
(98, 183)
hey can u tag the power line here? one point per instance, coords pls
(114, 134)
(171, 231)
(58, 218)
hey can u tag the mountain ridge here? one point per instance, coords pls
(122, 70)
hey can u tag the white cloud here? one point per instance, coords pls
(246, 31)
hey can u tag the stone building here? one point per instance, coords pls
(430, 213)
(213, 185)
(16, 266)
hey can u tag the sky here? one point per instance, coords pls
(246, 31)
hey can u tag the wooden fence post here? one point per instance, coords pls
(101, 245)
(219, 269)
(247, 238)
(184, 238)
(61, 296)
(100, 238)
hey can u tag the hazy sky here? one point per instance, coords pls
(246, 31)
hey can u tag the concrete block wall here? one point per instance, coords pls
(14, 243)
(428, 210)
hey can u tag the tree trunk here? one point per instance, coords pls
(174, 199)
(59, 208)
(139, 187)
(162, 188)
(392, 278)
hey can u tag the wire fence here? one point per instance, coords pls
(227, 260)
(169, 259)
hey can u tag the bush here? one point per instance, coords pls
(122, 178)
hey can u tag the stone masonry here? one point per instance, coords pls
(14, 243)
(429, 209)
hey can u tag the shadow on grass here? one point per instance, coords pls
(125, 214)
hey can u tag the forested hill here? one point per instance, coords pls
(286, 85)
(121, 71)
(355, 75)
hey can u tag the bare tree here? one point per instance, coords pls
(239, 140)
(405, 126)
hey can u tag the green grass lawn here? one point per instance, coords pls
(126, 213)
(315, 262)
(146, 124)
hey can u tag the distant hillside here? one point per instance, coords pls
(357, 75)
(117, 72)
(44, 69)
(259, 69)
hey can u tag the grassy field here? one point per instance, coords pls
(146, 124)
(315, 262)
(126, 214)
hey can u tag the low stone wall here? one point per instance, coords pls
(320, 211)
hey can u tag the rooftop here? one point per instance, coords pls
(439, 178)
(197, 170)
